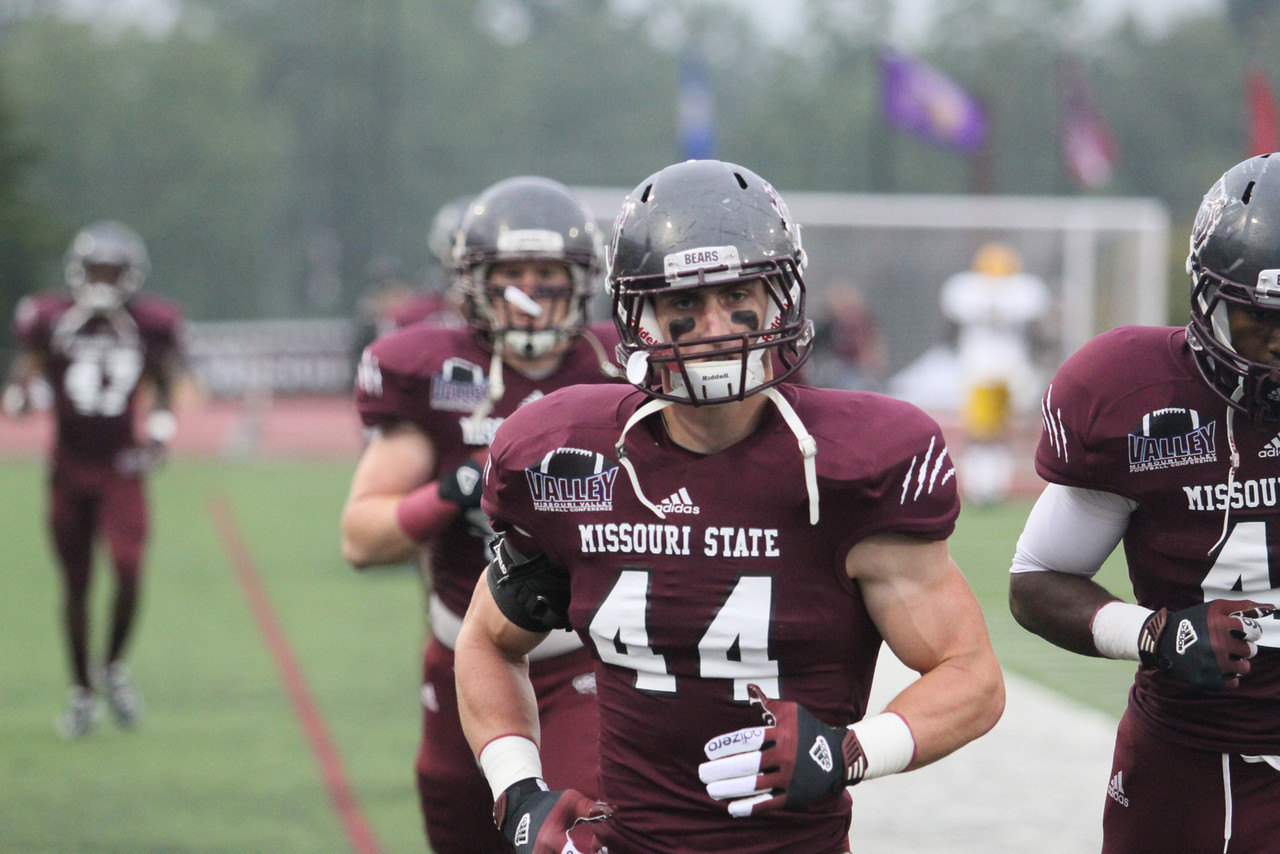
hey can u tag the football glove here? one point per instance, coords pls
(464, 485)
(1207, 645)
(794, 759)
(538, 821)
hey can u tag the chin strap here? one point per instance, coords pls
(639, 415)
(496, 390)
(808, 449)
(1231, 473)
(607, 367)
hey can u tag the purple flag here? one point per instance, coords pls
(919, 99)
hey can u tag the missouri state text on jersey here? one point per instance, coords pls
(717, 579)
(1202, 528)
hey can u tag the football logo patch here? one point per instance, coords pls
(1170, 437)
(459, 387)
(572, 480)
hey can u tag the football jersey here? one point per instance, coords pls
(732, 585)
(434, 377)
(94, 365)
(1130, 414)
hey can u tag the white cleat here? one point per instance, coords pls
(80, 715)
(122, 695)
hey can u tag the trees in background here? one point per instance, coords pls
(272, 152)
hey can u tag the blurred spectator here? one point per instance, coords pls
(849, 351)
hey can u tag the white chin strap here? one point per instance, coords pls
(808, 449)
(717, 379)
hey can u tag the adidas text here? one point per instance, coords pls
(679, 502)
(1115, 790)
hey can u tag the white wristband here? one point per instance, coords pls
(161, 426)
(887, 744)
(509, 759)
(1116, 627)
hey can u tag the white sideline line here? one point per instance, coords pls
(1035, 783)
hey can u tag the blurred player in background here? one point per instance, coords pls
(526, 259)
(1166, 439)
(997, 308)
(101, 352)
(848, 346)
(392, 300)
(733, 547)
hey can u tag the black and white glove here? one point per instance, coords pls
(1207, 645)
(794, 759)
(463, 486)
(538, 821)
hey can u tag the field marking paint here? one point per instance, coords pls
(359, 832)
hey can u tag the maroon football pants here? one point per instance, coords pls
(87, 501)
(456, 802)
(1167, 798)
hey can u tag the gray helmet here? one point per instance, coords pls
(527, 218)
(699, 223)
(108, 243)
(1235, 259)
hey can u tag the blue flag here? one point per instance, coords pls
(696, 109)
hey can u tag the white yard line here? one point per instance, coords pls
(1035, 783)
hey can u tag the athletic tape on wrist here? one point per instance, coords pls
(509, 759)
(423, 513)
(887, 744)
(1116, 627)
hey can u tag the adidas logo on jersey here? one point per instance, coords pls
(1271, 449)
(1115, 790)
(679, 502)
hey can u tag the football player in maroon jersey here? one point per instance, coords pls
(732, 548)
(96, 350)
(527, 260)
(1167, 439)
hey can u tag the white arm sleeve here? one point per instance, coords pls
(1071, 530)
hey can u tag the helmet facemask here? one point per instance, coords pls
(713, 369)
(526, 219)
(1248, 386)
(105, 265)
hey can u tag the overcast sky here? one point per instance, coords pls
(1157, 14)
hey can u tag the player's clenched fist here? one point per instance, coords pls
(537, 821)
(796, 759)
(1207, 645)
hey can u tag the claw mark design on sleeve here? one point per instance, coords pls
(1055, 430)
(926, 477)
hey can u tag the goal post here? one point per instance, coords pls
(1105, 260)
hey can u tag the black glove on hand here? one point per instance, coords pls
(1207, 645)
(794, 759)
(463, 486)
(537, 821)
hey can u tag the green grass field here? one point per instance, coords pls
(222, 762)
